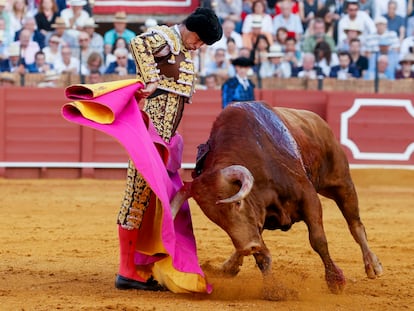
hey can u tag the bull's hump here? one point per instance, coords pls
(273, 126)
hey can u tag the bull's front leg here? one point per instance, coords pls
(232, 265)
(334, 277)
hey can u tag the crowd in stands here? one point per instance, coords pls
(342, 39)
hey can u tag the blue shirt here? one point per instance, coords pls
(233, 91)
(111, 36)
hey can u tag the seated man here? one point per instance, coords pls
(122, 65)
(346, 69)
(308, 70)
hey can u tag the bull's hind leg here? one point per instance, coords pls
(347, 200)
(313, 218)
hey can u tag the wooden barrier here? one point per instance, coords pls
(36, 142)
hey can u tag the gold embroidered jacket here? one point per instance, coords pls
(160, 56)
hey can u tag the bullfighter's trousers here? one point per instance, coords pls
(165, 111)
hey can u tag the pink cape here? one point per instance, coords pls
(136, 133)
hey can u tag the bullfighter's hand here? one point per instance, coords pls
(148, 90)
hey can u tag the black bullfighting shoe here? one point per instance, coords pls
(125, 283)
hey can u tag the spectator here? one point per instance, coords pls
(52, 51)
(281, 35)
(122, 65)
(50, 80)
(17, 15)
(308, 70)
(354, 16)
(274, 66)
(331, 22)
(62, 32)
(360, 61)
(230, 10)
(96, 40)
(211, 82)
(28, 48)
(95, 63)
(288, 20)
(250, 38)
(345, 70)
(406, 70)
(407, 46)
(7, 79)
(40, 65)
(5, 23)
(392, 58)
(318, 34)
(259, 52)
(67, 63)
(395, 22)
(308, 10)
(384, 72)
(75, 16)
(119, 43)
(372, 40)
(84, 49)
(368, 6)
(294, 4)
(239, 87)
(232, 51)
(337, 7)
(324, 57)
(3, 45)
(352, 31)
(29, 23)
(258, 13)
(46, 16)
(228, 32)
(120, 30)
(14, 63)
(381, 7)
(219, 65)
(95, 76)
(292, 54)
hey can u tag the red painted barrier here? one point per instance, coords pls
(373, 129)
(36, 142)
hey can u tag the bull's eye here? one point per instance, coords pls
(238, 203)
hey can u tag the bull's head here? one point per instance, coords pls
(230, 174)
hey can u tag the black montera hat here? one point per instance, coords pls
(242, 62)
(205, 23)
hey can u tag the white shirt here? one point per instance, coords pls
(362, 19)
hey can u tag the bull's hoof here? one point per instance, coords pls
(230, 269)
(373, 267)
(335, 280)
(124, 283)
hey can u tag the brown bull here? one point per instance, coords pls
(262, 168)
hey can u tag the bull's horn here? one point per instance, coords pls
(241, 173)
(183, 194)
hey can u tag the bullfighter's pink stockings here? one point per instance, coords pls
(127, 244)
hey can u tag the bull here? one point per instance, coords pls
(262, 168)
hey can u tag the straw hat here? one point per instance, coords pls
(381, 20)
(59, 23)
(77, 2)
(90, 22)
(2, 2)
(408, 58)
(120, 17)
(150, 22)
(257, 21)
(7, 76)
(13, 50)
(275, 51)
(353, 26)
(51, 75)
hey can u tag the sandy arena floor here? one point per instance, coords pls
(59, 250)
